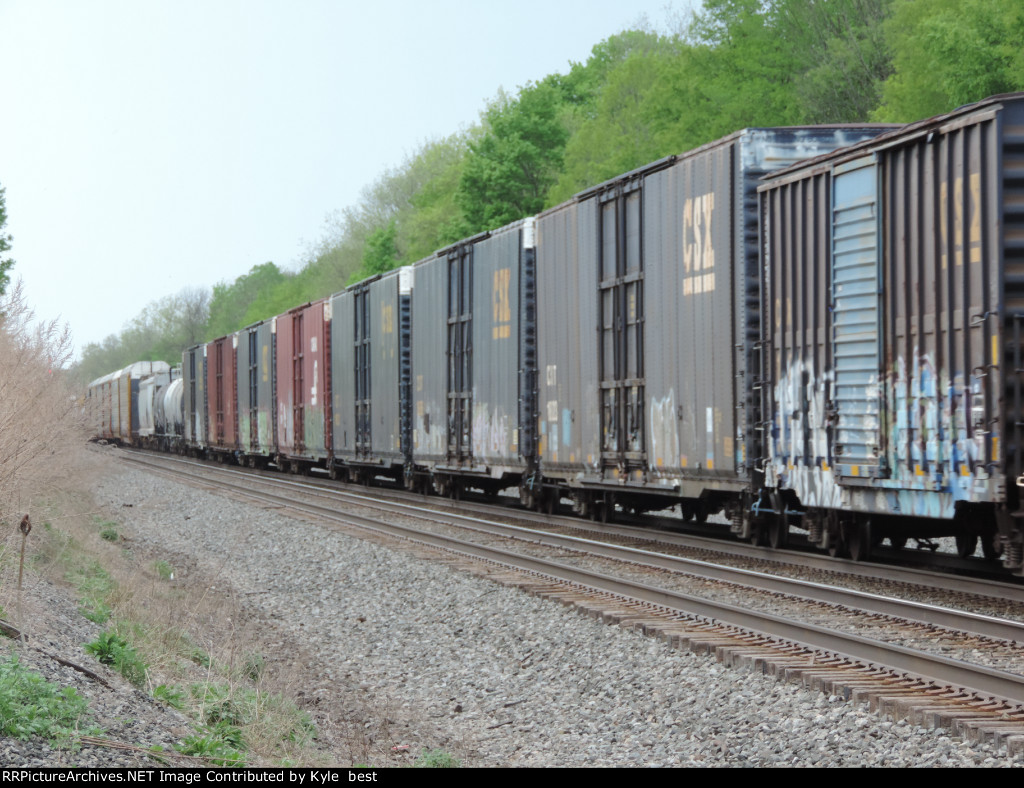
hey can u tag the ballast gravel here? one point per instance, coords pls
(439, 658)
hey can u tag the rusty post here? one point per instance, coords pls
(25, 527)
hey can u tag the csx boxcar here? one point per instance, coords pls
(471, 342)
(648, 309)
(893, 307)
(370, 336)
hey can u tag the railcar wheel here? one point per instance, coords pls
(700, 514)
(778, 526)
(858, 539)
(898, 542)
(966, 544)
(989, 549)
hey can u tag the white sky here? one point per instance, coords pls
(150, 145)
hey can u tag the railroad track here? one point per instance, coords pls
(842, 641)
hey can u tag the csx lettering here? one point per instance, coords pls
(698, 249)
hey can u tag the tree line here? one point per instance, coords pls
(641, 95)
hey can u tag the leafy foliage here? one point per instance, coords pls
(509, 170)
(112, 649)
(642, 94)
(5, 246)
(947, 53)
(30, 706)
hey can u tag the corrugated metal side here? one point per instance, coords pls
(430, 361)
(688, 227)
(193, 373)
(221, 393)
(495, 427)
(316, 367)
(254, 387)
(385, 355)
(796, 322)
(942, 284)
(288, 398)
(1011, 196)
(940, 350)
(569, 442)
(342, 371)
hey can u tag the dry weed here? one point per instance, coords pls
(40, 414)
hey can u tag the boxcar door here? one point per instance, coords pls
(361, 376)
(620, 316)
(856, 441)
(460, 354)
(298, 384)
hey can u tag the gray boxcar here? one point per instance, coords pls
(369, 361)
(469, 356)
(648, 313)
(254, 379)
(193, 375)
(894, 299)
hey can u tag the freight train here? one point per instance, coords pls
(811, 329)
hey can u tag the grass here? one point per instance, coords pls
(30, 706)
(437, 759)
(112, 649)
(192, 650)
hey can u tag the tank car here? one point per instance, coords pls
(893, 303)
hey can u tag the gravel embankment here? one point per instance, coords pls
(399, 652)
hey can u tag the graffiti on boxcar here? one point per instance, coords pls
(929, 444)
(799, 450)
(664, 433)
(491, 431)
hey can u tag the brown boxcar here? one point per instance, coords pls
(648, 309)
(302, 353)
(222, 410)
(893, 303)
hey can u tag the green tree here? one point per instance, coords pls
(951, 52)
(842, 54)
(380, 254)
(230, 304)
(511, 167)
(5, 246)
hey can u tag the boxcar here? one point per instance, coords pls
(193, 375)
(222, 396)
(370, 368)
(471, 351)
(302, 359)
(648, 315)
(254, 378)
(893, 305)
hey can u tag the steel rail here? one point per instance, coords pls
(930, 668)
(933, 615)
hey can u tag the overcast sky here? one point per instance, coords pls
(150, 145)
